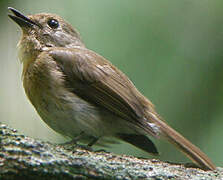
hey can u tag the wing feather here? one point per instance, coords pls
(96, 80)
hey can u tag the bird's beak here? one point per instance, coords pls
(22, 20)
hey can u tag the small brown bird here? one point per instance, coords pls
(80, 94)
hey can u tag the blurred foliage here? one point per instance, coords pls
(171, 50)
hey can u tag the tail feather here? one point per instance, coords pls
(140, 141)
(185, 146)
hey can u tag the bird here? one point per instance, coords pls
(81, 95)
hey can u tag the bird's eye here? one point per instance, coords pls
(53, 23)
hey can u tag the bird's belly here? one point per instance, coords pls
(70, 115)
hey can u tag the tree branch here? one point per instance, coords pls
(27, 158)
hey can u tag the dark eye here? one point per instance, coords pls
(53, 23)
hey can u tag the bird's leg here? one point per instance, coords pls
(80, 136)
(93, 142)
(75, 140)
(88, 146)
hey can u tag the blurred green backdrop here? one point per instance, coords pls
(171, 50)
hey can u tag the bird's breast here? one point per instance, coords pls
(61, 109)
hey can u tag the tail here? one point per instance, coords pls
(185, 146)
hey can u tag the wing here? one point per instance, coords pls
(96, 80)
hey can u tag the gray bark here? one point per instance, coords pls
(22, 157)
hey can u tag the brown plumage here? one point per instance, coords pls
(78, 92)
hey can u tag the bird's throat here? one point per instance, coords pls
(28, 51)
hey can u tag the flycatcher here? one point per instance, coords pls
(80, 94)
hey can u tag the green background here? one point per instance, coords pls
(171, 50)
